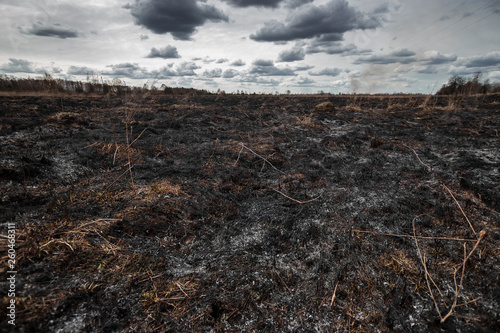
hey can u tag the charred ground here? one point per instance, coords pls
(252, 213)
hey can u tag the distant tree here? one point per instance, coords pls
(458, 85)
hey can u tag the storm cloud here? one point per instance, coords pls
(402, 56)
(267, 3)
(167, 52)
(213, 73)
(238, 63)
(135, 71)
(180, 18)
(336, 17)
(267, 68)
(331, 48)
(54, 30)
(254, 3)
(437, 58)
(229, 73)
(24, 66)
(327, 72)
(294, 54)
(80, 70)
(486, 60)
(129, 70)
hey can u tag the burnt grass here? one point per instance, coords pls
(255, 213)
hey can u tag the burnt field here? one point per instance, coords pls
(252, 213)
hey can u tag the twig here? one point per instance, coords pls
(426, 165)
(120, 176)
(295, 200)
(482, 234)
(265, 160)
(470, 224)
(213, 152)
(91, 145)
(457, 289)
(110, 245)
(474, 300)
(128, 152)
(114, 155)
(239, 154)
(59, 241)
(334, 292)
(144, 130)
(419, 237)
(179, 285)
(284, 282)
(427, 275)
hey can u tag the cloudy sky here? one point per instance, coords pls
(305, 46)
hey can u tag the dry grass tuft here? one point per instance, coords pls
(66, 118)
(396, 107)
(307, 121)
(325, 107)
(120, 152)
(165, 187)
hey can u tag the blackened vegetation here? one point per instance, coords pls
(255, 213)
(459, 85)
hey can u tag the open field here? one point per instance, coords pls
(253, 213)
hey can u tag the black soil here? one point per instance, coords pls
(252, 213)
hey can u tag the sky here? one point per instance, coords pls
(268, 46)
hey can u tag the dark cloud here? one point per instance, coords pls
(213, 73)
(327, 72)
(304, 81)
(18, 66)
(426, 69)
(267, 68)
(267, 3)
(304, 68)
(81, 70)
(296, 3)
(332, 48)
(263, 63)
(187, 69)
(24, 66)
(129, 70)
(335, 17)
(402, 53)
(486, 60)
(167, 52)
(254, 3)
(259, 80)
(294, 54)
(135, 71)
(461, 70)
(208, 60)
(177, 17)
(382, 9)
(436, 58)
(229, 73)
(238, 63)
(54, 30)
(402, 56)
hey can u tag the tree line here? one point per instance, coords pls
(459, 85)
